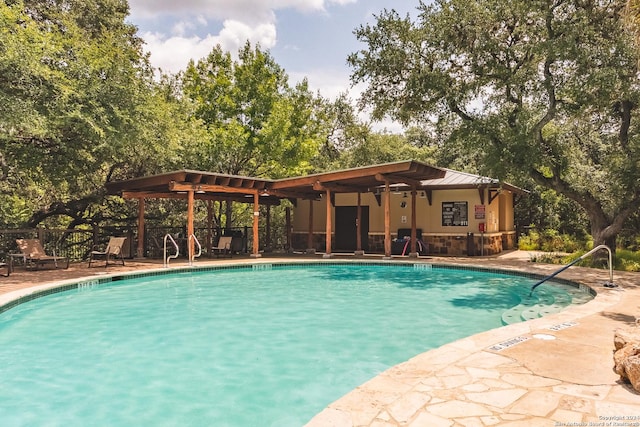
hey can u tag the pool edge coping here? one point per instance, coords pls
(14, 298)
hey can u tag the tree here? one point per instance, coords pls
(632, 18)
(257, 124)
(77, 106)
(545, 89)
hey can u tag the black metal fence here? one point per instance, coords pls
(77, 244)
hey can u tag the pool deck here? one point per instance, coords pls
(551, 371)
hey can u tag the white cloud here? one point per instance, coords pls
(243, 20)
(235, 34)
(172, 54)
(246, 10)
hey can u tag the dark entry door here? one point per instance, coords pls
(345, 229)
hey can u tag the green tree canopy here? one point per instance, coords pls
(541, 88)
(77, 105)
(258, 125)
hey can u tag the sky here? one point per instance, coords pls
(308, 38)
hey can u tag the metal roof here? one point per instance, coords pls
(210, 185)
(456, 179)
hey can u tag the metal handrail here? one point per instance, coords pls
(191, 256)
(608, 284)
(166, 258)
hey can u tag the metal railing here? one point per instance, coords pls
(193, 238)
(165, 258)
(608, 284)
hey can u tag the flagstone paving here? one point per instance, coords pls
(551, 371)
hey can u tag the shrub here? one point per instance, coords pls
(626, 260)
(529, 241)
(549, 241)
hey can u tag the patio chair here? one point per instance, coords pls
(113, 250)
(223, 247)
(33, 254)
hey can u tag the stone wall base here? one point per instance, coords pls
(475, 245)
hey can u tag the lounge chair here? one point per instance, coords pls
(33, 254)
(113, 249)
(223, 247)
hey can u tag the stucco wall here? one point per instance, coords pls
(498, 215)
(498, 218)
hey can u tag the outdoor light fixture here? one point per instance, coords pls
(199, 190)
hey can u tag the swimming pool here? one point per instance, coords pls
(236, 346)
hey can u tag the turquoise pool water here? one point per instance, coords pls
(237, 347)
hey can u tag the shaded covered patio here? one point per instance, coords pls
(191, 185)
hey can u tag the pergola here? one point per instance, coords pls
(376, 179)
(199, 185)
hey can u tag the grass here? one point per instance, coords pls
(624, 260)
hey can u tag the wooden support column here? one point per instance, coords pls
(267, 243)
(190, 228)
(387, 220)
(209, 241)
(359, 250)
(256, 216)
(140, 246)
(288, 225)
(327, 252)
(310, 248)
(414, 236)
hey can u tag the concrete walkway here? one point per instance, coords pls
(552, 371)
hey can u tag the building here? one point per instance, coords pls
(458, 214)
(407, 207)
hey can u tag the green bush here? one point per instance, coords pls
(626, 260)
(549, 241)
(529, 241)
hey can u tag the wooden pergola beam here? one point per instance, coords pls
(396, 179)
(338, 188)
(234, 197)
(210, 188)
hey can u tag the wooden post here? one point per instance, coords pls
(256, 216)
(327, 252)
(288, 225)
(267, 243)
(209, 241)
(387, 220)
(190, 227)
(140, 245)
(310, 248)
(414, 236)
(359, 250)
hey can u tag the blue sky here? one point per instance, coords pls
(308, 38)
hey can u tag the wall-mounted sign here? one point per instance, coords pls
(479, 211)
(455, 214)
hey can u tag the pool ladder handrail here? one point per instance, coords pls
(166, 258)
(191, 255)
(608, 284)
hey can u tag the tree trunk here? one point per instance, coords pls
(603, 230)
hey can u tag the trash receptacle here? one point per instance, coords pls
(471, 245)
